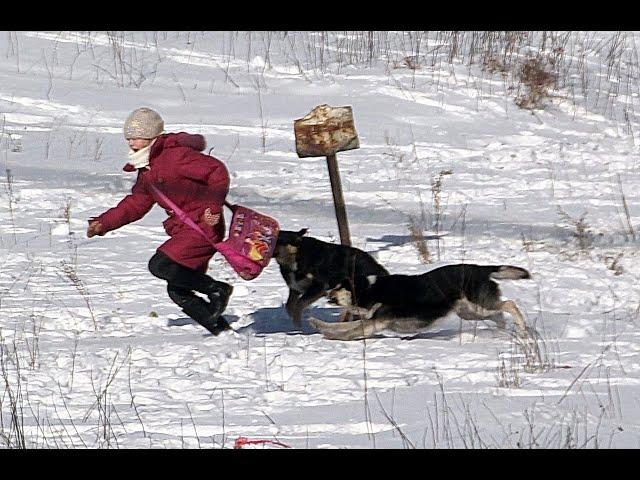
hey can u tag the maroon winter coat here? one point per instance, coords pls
(193, 181)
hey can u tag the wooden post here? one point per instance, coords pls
(324, 132)
(338, 200)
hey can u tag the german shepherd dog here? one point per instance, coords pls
(312, 268)
(411, 303)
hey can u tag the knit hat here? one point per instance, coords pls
(143, 123)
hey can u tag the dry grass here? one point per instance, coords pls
(70, 274)
(429, 219)
(416, 230)
(9, 189)
(537, 80)
(582, 232)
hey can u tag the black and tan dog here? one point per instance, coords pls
(411, 303)
(312, 268)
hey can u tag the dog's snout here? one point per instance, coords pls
(331, 296)
(340, 296)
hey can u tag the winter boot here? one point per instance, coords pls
(219, 294)
(200, 311)
(215, 309)
(222, 324)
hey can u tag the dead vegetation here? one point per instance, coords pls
(430, 219)
(537, 80)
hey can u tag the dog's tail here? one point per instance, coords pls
(509, 272)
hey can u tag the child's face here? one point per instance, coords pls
(136, 144)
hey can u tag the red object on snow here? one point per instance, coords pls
(242, 441)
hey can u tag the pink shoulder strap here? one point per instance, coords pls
(180, 213)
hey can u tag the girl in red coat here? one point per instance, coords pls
(197, 184)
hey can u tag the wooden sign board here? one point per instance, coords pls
(325, 131)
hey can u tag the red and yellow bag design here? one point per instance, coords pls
(251, 243)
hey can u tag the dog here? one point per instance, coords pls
(411, 303)
(312, 268)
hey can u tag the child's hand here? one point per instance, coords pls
(95, 228)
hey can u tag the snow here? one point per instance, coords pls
(94, 353)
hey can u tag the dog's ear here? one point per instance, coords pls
(298, 236)
(289, 237)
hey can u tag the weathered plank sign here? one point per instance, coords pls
(324, 132)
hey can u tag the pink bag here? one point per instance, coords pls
(251, 242)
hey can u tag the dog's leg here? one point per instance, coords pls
(471, 311)
(466, 310)
(292, 300)
(313, 293)
(364, 312)
(510, 307)
(408, 325)
(296, 314)
(352, 330)
(498, 319)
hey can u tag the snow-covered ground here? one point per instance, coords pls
(95, 354)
